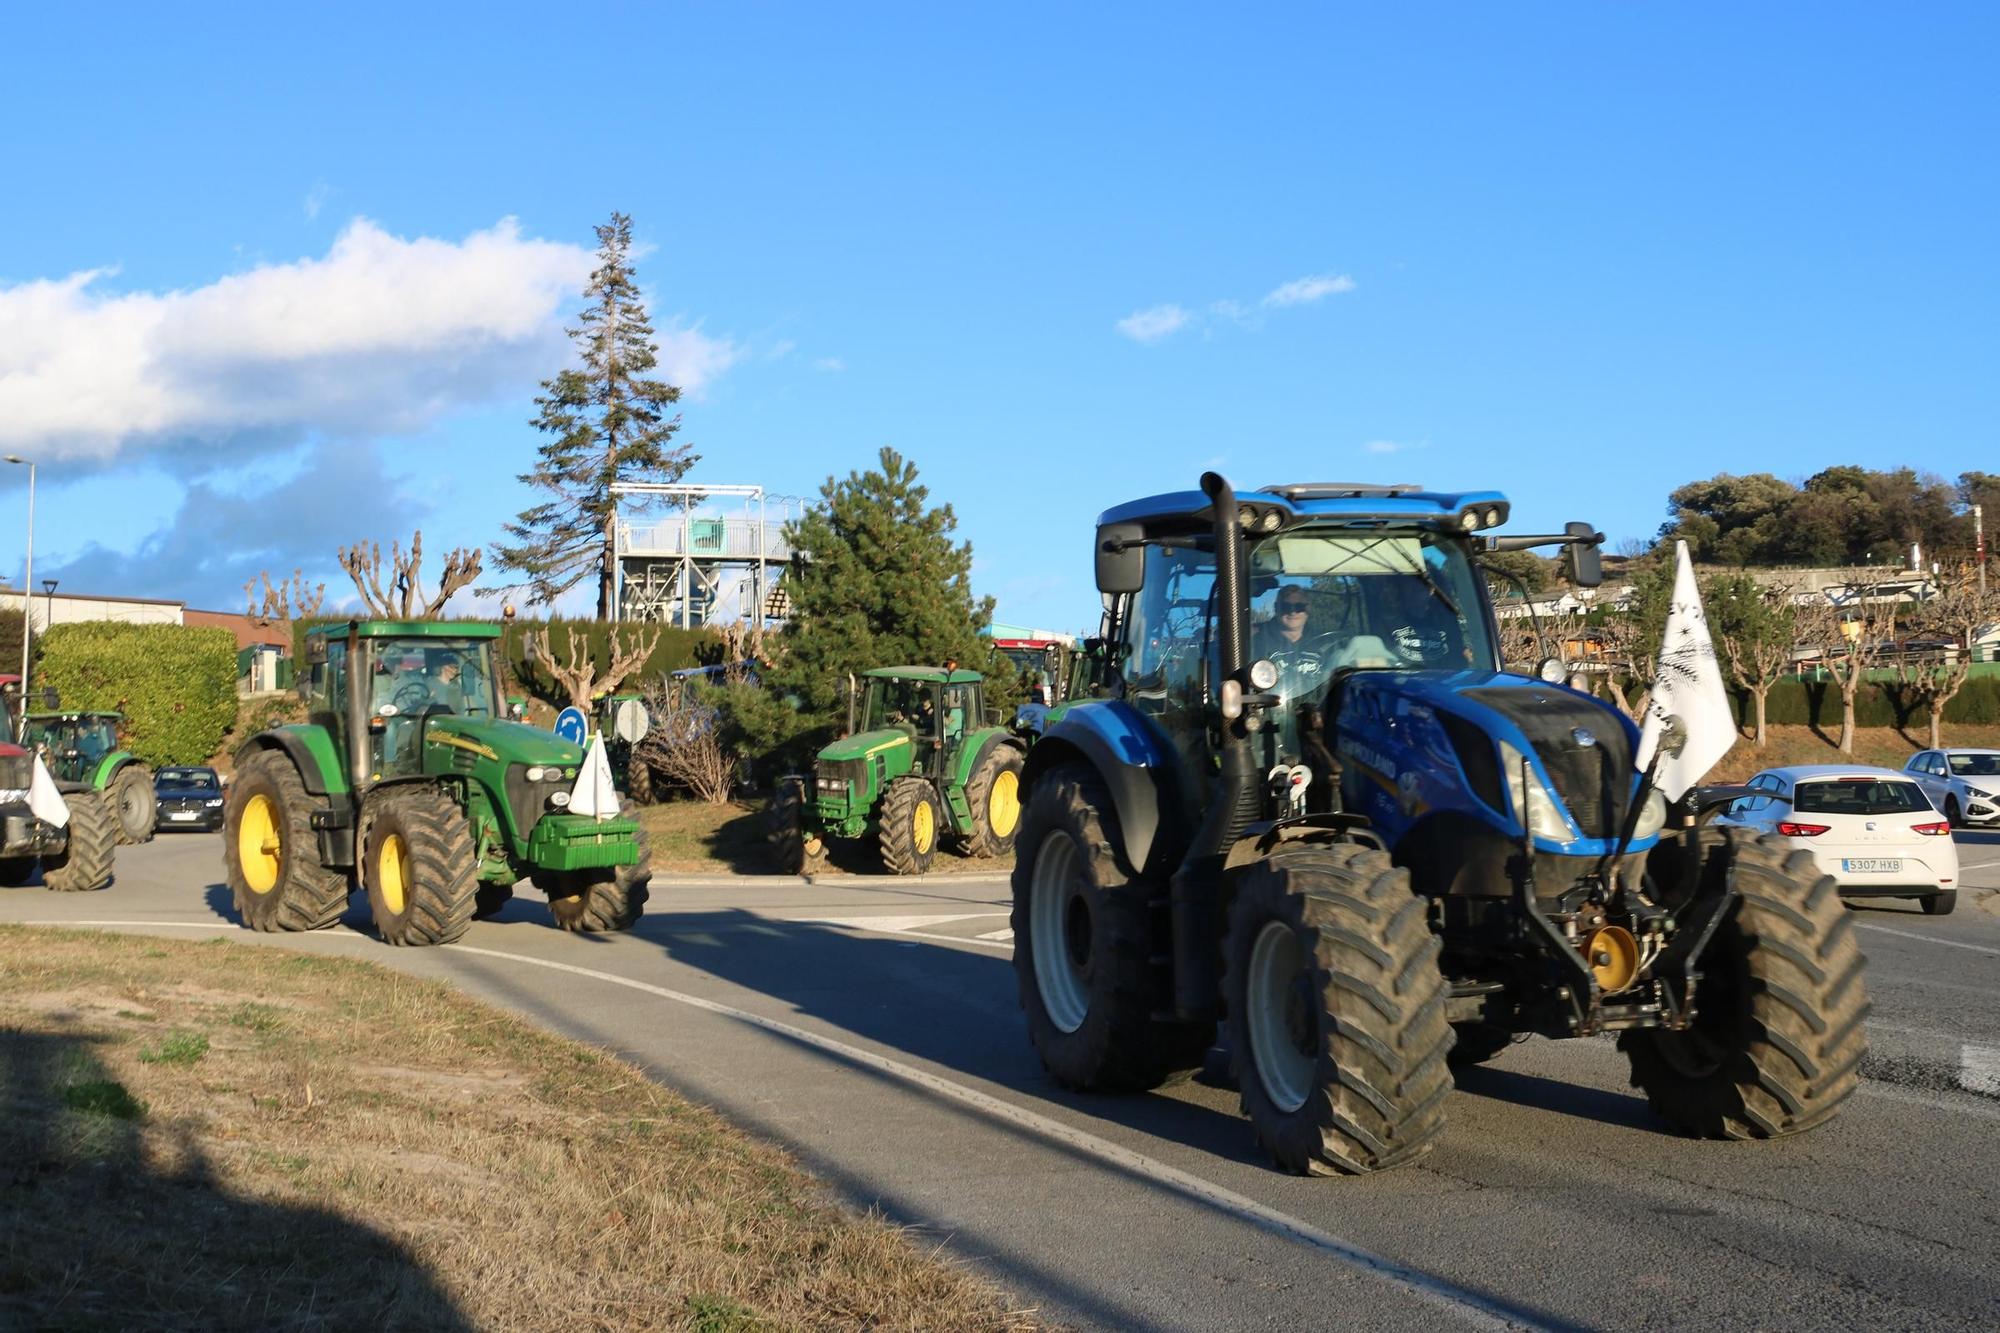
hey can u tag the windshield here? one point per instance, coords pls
(419, 675)
(1975, 765)
(1860, 796)
(898, 703)
(188, 777)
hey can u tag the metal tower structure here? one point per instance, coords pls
(705, 553)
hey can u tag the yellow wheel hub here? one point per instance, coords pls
(392, 869)
(923, 827)
(260, 846)
(1003, 805)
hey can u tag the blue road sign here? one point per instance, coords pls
(572, 725)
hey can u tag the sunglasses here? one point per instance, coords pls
(1290, 608)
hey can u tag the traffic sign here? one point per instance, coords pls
(572, 725)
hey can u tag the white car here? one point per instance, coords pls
(1965, 784)
(1873, 829)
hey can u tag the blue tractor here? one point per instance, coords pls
(1309, 805)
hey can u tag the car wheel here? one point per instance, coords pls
(1952, 814)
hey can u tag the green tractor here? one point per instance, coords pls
(919, 764)
(71, 839)
(408, 778)
(81, 750)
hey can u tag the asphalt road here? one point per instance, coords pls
(872, 1025)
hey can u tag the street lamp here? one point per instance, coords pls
(27, 584)
(49, 611)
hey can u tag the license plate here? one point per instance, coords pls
(1871, 865)
(184, 814)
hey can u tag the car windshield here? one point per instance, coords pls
(187, 777)
(1860, 796)
(1975, 765)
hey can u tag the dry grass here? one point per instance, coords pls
(693, 837)
(208, 1136)
(1886, 747)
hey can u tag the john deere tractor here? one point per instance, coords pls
(919, 764)
(81, 750)
(407, 781)
(1318, 812)
(72, 838)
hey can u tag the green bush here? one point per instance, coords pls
(1806, 702)
(175, 684)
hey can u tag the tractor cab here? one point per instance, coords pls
(385, 681)
(932, 706)
(73, 744)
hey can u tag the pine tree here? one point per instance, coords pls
(606, 423)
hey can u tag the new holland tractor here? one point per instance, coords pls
(1346, 835)
(81, 750)
(408, 780)
(72, 838)
(919, 764)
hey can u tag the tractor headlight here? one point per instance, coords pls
(832, 786)
(536, 774)
(559, 800)
(1533, 805)
(1652, 815)
(1263, 674)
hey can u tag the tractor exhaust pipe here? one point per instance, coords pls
(1194, 895)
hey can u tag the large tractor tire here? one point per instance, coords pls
(1777, 1038)
(994, 795)
(1084, 942)
(419, 867)
(84, 864)
(912, 818)
(16, 871)
(606, 900)
(270, 855)
(132, 795)
(1336, 1005)
(795, 849)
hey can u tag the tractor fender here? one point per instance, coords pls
(1135, 767)
(975, 755)
(107, 768)
(312, 752)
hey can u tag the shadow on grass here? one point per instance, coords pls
(101, 1230)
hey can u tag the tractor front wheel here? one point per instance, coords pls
(270, 855)
(911, 821)
(795, 849)
(418, 865)
(610, 899)
(1777, 1038)
(1336, 1011)
(84, 863)
(137, 804)
(994, 793)
(1084, 941)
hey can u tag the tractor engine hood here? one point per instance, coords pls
(504, 742)
(1579, 747)
(862, 744)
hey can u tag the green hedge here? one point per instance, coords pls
(677, 648)
(175, 684)
(1796, 702)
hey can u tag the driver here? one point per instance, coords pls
(445, 686)
(1286, 629)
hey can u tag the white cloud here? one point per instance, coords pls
(781, 349)
(382, 335)
(831, 364)
(1304, 291)
(315, 200)
(1384, 447)
(1152, 324)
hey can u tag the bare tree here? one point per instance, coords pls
(281, 605)
(1630, 658)
(404, 598)
(1756, 629)
(575, 668)
(684, 743)
(1850, 639)
(1956, 615)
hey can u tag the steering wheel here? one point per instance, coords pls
(410, 696)
(1302, 665)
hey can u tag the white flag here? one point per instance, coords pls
(44, 801)
(1688, 719)
(594, 793)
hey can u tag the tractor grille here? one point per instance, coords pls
(1593, 780)
(854, 772)
(16, 771)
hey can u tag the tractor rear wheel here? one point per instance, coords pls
(1777, 1038)
(270, 855)
(1084, 942)
(795, 849)
(84, 863)
(994, 794)
(418, 865)
(1336, 1011)
(16, 871)
(911, 820)
(132, 794)
(609, 899)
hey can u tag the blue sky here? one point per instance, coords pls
(1579, 253)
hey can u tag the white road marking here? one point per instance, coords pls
(893, 924)
(1470, 1307)
(1931, 939)
(999, 936)
(1978, 865)
(1979, 1069)
(1935, 1101)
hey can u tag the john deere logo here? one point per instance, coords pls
(1583, 738)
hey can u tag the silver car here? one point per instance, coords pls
(1965, 784)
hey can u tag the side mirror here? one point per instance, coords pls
(1583, 557)
(1121, 561)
